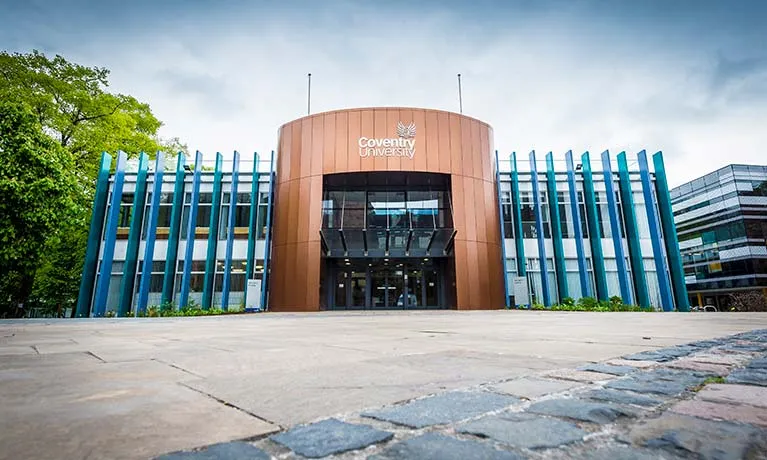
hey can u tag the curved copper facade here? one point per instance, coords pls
(327, 143)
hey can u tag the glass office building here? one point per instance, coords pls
(381, 208)
(721, 221)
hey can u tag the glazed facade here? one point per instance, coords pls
(381, 208)
(721, 221)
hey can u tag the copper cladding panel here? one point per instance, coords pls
(327, 143)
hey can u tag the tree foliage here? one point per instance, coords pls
(72, 104)
(37, 185)
(71, 108)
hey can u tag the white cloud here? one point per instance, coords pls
(548, 83)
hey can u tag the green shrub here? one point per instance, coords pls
(568, 301)
(538, 306)
(588, 303)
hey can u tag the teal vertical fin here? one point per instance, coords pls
(632, 232)
(85, 296)
(669, 234)
(517, 209)
(556, 229)
(210, 258)
(595, 235)
(250, 263)
(127, 286)
(174, 232)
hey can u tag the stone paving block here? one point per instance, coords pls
(525, 430)
(687, 363)
(622, 397)
(648, 386)
(585, 410)
(445, 408)
(662, 354)
(608, 369)
(579, 376)
(750, 347)
(758, 363)
(735, 394)
(329, 437)
(531, 387)
(740, 413)
(433, 446)
(659, 381)
(635, 363)
(707, 343)
(757, 335)
(748, 376)
(719, 358)
(688, 436)
(618, 452)
(223, 451)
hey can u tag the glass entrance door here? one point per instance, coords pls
(361, 284)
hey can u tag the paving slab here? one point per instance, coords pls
(748, 376)
(663, 354)
(525, 430)
(740, 413)
(659, 381)
(305, 367)
(622, 397)
(579, 376)
(735, 394)
(445, 408)
(236, 450)
(585, 410)
(329, 437)
(720, 359)
(690, 436)
(531, 387)
(633, 363)
(686, 363)
(433, 446)
(608, 369)
(615, 452)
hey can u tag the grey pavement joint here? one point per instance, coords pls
(525, 431)
(329, 437)
(445, 408)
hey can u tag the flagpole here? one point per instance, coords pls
(309, 96)
(460, 96)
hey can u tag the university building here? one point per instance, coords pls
(381, 208)
(721, 221)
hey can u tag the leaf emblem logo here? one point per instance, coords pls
(406, 131)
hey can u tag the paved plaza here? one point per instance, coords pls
(386, 385)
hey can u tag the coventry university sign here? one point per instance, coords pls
(401, 146)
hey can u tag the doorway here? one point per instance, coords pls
(385, 284)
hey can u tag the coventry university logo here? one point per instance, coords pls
(406, 132)
(401, 146)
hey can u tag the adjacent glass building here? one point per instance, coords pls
(721, 221)
(381, 208)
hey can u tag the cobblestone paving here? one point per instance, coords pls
(702, 400)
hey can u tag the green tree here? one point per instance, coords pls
(37, 184)
(71, 104)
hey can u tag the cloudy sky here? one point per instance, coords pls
(688, 77)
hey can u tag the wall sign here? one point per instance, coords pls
(401, 146)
